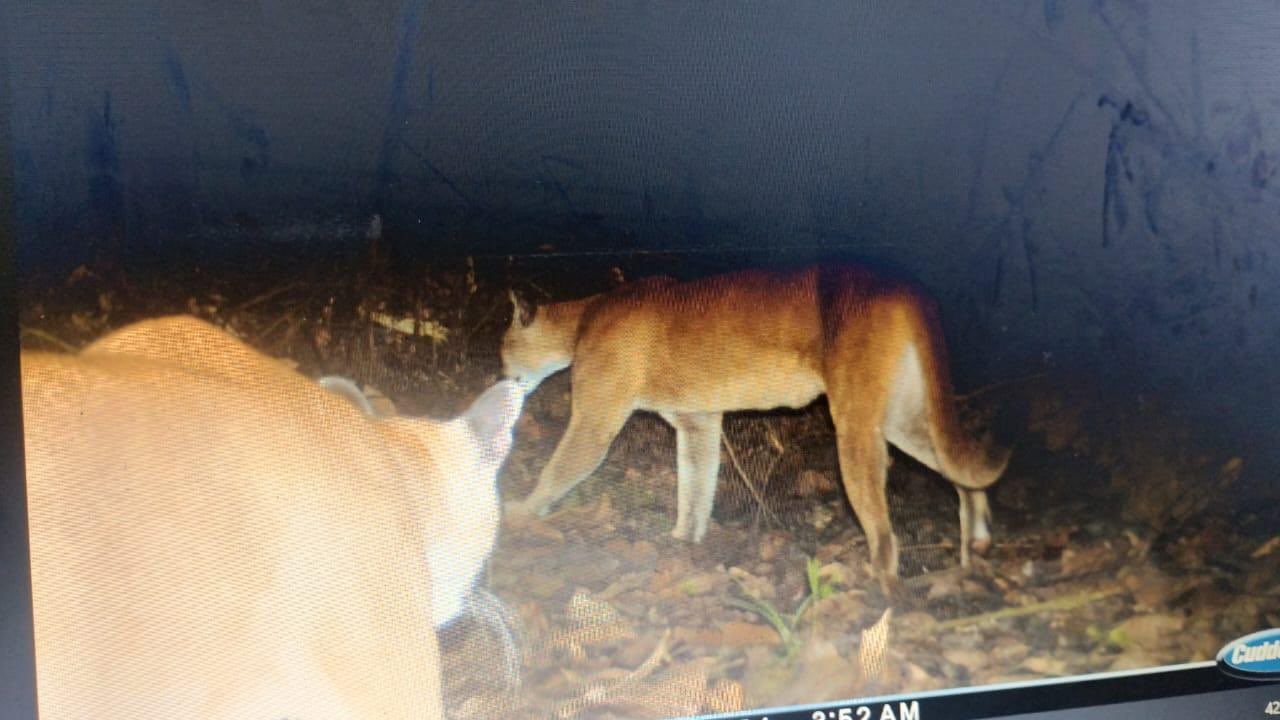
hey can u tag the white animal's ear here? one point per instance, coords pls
(521, 312)
(492, 417)
(349, 390)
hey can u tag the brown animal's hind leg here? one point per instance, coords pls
(982, 530)
(697, 470)
(863, 469)
(966, 525)
(907, 426)
(975, 514)
(859, 376)
(592, 428)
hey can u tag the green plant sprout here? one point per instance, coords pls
(786, 625)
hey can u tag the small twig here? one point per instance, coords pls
(51, 339)
(259, 337)
(1003, 383)
(1018, 542)
(774, 439)
(536, 286)
(264, 297)
(768, 474)
(945, 545)
(466, 339)
(733, 459)
(1068, 602)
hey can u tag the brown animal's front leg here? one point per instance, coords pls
(592, 428)
(863, 469)
(697, 470)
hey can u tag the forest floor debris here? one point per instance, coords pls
(1115, 546)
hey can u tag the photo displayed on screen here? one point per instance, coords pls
(575, 363)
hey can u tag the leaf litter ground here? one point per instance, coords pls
(1114, 545)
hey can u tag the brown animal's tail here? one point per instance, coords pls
(964, 460)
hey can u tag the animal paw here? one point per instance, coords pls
(895, 591)
(980, 545)
(525, 509)
(517, 509)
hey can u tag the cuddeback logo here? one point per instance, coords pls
(1256, 656)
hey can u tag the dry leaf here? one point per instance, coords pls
(585, 610)
(875, 643)
(968, 658)
(1008, 650)
(709, 637)
(322, 337)
(697, 585)
(740, 634)
(1149, 632)
(529, 526)
(1231, 469)
(813, 482)
(86, 323)
(425, 327)
(1266, 548)
(599, 692)
(80, 273)
(945, 585)
(1047, 666)
(771, 544)
(643, 551)
(753, 585)
(1084, 561)
(633, 653)
(837, 574)
(1150, 588)
(1138, 547)
(625, 584)
(726, 697)
(1059, 537)
(820, 673)
(822, 517)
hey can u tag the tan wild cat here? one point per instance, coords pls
(758, 339)
(215, 536)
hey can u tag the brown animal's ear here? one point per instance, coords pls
(521, 312)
